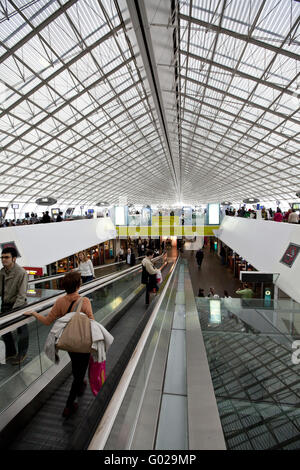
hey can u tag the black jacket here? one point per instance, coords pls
(199, 255)
(132, 259)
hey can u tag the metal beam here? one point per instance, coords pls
(244, 100)
(241, 37)
(138, 16)
(68, 64)
(238, 72)
(36, 30)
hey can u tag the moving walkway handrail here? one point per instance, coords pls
(104, 428)
(17, 315)
(61, 275)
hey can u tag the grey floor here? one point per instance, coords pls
(211, 274)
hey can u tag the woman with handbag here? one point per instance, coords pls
(66, 304)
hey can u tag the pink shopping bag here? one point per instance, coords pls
(96, 375)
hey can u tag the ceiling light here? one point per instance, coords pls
(102, 204)
(46, 201)
(250, 200)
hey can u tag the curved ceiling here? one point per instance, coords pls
(153, 101)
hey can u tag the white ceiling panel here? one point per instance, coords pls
(154, 104)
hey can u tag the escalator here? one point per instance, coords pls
(34, 394)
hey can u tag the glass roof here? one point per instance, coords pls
(196, 104)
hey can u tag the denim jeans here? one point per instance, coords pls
(86, 279)
(22, 337)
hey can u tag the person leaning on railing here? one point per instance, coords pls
(13, 289)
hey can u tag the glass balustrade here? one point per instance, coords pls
(16, 378)
(250, 346)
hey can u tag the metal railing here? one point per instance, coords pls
(89, 287)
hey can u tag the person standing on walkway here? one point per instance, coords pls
(199, 257)
(246, 292)
(13, 289)
(223, 255)
(130, 258)
(80, 361)
(85, 267)
(149, 275)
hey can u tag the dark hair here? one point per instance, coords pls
(149, 253)
(11, 250)
(226, 293)
(71, 281)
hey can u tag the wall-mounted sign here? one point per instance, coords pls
(213, 214)
(290, 255)
(34, 271)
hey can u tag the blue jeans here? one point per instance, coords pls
(22, 337)
(86, 279)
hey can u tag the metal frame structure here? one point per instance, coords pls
(181, 100)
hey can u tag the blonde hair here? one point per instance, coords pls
(85, 258)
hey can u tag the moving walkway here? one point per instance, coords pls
(33, 394)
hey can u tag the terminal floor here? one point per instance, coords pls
(48, 430)
(211, 274)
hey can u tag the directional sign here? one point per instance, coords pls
(290, 255)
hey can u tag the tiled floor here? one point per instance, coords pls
(211, 274)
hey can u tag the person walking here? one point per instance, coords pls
(80, 361)
(149, 275)
(199, 257)
(85, 267)
(223, 255)
(13, 289)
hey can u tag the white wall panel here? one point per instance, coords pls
(42, 244)
(263, 243)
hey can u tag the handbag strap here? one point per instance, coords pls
(70, 306)
(79, 305)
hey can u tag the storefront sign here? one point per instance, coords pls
(34, 271)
